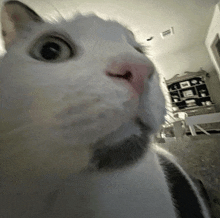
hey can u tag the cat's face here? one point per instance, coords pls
(80, 79)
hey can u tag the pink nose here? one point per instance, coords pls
(132, 73)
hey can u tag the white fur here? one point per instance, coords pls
(41, 94)
(52, 114)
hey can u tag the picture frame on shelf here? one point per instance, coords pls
(190, 102)
(188, 93)
(185, 84)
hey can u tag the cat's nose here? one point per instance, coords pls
(132, 72)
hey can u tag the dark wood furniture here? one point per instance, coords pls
(189, 93)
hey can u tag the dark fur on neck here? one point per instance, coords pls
(124, 153)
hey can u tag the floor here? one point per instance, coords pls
(200, 156)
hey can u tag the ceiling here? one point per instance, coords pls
(147, 18)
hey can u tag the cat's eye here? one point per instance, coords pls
(51, 49)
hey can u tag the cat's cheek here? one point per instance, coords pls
(94, 122)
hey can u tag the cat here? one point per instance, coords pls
(80, 102)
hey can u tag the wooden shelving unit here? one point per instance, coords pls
(189, 93)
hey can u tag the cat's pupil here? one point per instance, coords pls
(50, 51)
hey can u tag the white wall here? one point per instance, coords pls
(190, 59)
(213, 30)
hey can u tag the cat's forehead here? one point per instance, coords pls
(94, 25)
(92, 20)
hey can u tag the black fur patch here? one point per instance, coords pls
(124, 153)
(185, 199)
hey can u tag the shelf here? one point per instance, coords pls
(189, 91)
(196, 85)
(187, 76)
(197, 110)
(190, 98)
(203, 106)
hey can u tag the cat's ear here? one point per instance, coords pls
(15, 16)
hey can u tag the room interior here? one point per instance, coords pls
(182, 38)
